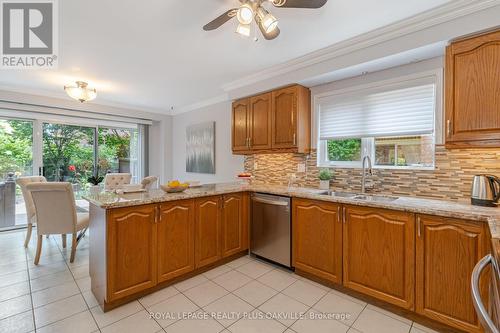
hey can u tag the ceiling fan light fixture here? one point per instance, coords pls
(81, 92)
(243, 29)
(245, 14)
(267, 20)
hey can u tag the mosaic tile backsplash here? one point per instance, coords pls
(451, 179)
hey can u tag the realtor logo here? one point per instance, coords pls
(29, 35)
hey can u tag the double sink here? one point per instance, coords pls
(359, 196)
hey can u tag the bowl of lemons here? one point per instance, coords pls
(174, 186)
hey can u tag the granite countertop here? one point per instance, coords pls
(408, 204)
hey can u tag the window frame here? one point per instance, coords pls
(367, 149)
(368, 144)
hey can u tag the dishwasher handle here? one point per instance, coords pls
(270, 202)
(476, 295)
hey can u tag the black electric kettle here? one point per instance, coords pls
(485, 190)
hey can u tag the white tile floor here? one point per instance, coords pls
(241, 296)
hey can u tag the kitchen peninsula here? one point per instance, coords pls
(374, 245)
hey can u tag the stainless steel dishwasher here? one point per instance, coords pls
(271, 228)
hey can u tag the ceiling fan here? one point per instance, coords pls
(251, 10)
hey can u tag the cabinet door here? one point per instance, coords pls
(240, 121)
(317, 238)
(284, 118)
(175, 239)
(260, 122)
(472, 92)
(379, 254)
(207, 228)
(447, 251)
(131, 250)
(234, 223)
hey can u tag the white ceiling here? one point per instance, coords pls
(154, 54)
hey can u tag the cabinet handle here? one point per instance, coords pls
(294, 139)
(448, 128)
(338, 214)
(343, 215)
(249, 142)
(157, 214)
(419, 230)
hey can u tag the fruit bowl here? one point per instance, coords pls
(176, 189)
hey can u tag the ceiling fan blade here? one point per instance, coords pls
(220, 20)
(299, 3)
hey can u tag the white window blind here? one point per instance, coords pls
(392, 112)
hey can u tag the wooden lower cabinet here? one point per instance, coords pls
(317, 238)
(207, 230)
(447, 251)
(175, 239)
(234, 224)
(379, 254)
(131, 249)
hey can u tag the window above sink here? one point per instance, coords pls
(393, 123)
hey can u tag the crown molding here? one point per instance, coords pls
(207, 102)
(427, 19)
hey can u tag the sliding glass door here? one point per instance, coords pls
(68, 154)
(119, 151)
(16, 160)
(62, 150)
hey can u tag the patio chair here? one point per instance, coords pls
(28, 202)
(115, 181)
(55, 210)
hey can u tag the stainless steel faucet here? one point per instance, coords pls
(370, 171)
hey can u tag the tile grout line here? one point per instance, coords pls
(74, 280)
(29, 285)
(80, 293)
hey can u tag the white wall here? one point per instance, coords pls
(227, 165)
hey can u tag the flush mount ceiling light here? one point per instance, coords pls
(253, 10)
(81, 92)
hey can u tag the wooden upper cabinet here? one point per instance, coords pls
(240, 125)
(278, 121)
(285, 118)
(131, 250)
(379, 254)
(207, 230)
(260, 122)
(234, 223)
(291, 113)
(175, 239)
(317, 238)
(447, 251)
(473, 92)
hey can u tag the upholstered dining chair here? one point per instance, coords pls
(55, 210)
(28, 202)
(115, 181)
(149, 182)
